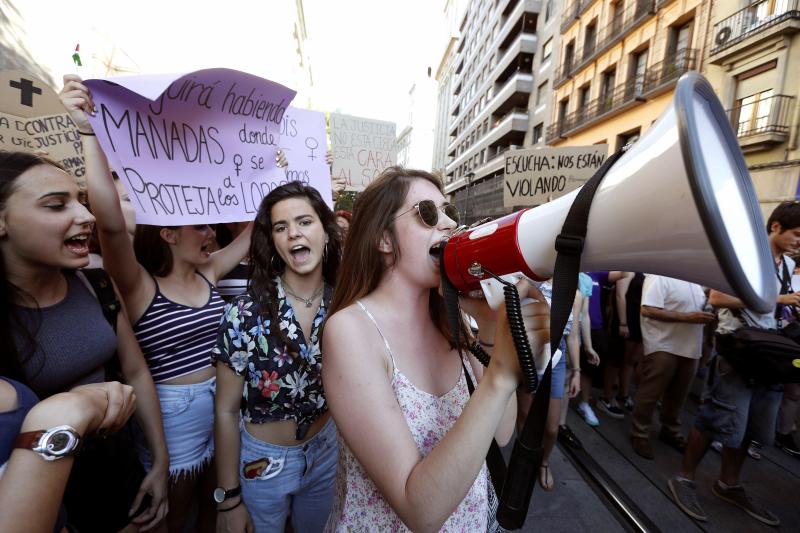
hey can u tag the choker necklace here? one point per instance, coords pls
(307, 301)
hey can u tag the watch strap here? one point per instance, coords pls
(42, 442)
(29, 440)
(229, 493)
(232, 507)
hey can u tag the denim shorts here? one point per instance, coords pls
(734, 411)
(297, 479)
(187, 412)
(559, 374)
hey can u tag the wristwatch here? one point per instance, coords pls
(52, 444)
(220, 494)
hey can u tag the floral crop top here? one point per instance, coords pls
(277, 385)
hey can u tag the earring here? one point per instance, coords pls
(272, 263)
(325, 253)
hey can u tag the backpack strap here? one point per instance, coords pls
(99, 284)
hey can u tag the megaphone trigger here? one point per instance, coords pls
(493, 288)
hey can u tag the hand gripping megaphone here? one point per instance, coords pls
(678, 203)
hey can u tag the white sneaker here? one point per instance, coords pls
(586, 412)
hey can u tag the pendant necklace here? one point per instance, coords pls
(308, 301)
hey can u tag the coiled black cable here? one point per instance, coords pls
(520, 338)
(515, 323)
(479, 353)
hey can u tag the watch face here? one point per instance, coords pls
(219, 495)
(59, 442)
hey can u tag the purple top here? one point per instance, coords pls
(599, 279)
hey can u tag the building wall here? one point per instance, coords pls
(485, 80)
(761, 53)
(607, 132)
(540, 102)
(14, 51)
(43, 44)
(638, 99)
(452, 12)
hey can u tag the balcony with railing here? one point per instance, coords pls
(624, 21)
(762, 120)
(573, 10)
(756, 22)
(511, 126)
(570, 14)
(656, 79)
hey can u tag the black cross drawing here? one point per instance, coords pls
(27, 90)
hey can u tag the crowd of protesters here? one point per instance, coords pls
(180, 386)
(664, 330)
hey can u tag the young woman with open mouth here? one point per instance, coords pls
(283, 461)
(55, 338)
(412, 442)
(167, 277)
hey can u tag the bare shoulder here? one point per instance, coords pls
(350, 316)
(349, 331)
(8, 396)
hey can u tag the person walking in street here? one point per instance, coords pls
(737, 411)
(672, 331)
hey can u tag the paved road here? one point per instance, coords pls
(574, 506)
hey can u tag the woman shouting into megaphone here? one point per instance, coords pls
(413, 442)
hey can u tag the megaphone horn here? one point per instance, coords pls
(678, 203)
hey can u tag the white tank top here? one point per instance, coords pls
(358, 505)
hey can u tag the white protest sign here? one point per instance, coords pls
(304, 142)
(193, 148)
(32, 119)
(362, 149)
(538, 175)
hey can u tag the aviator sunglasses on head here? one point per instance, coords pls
(428, 212)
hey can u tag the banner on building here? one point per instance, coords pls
(197, 147)
(32, 119)
(538, 175)
(362, 149)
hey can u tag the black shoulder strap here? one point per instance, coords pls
(785, 279)
(527, 454)
(494, 457)
(103, 289)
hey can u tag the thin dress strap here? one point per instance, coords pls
(385, 342)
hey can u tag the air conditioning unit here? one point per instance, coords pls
(723, 35)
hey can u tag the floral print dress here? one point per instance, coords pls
(358, 505)
(278, 385)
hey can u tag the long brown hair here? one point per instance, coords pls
(17, 337)
(363, 264)
(152, 251)
(265, 262)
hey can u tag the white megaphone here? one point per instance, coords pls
(678, 203)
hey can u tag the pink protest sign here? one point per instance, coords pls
(193, 148)
(305, 143)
